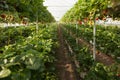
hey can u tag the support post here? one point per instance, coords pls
(37, 22)
(94, 40)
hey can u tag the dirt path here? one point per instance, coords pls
(65, 69)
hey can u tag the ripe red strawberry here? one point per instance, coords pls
(96, 18)
(3, 16)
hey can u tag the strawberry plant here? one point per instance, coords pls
(88, 68)
(105, 38)
(10, 35)
(31, 58)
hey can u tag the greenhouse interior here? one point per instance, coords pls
(59, 39)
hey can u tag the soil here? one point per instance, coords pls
(64, 66)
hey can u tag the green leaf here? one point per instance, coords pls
(24, 75)
(33, 63)
(5, 73)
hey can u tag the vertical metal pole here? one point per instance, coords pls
(76, 28)
(8, 15)
(94, 40)
(76, 32)
(37, 22)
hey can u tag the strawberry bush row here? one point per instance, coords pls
(32, 58)
(107, 38)
(88, 68)
(10, 35)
